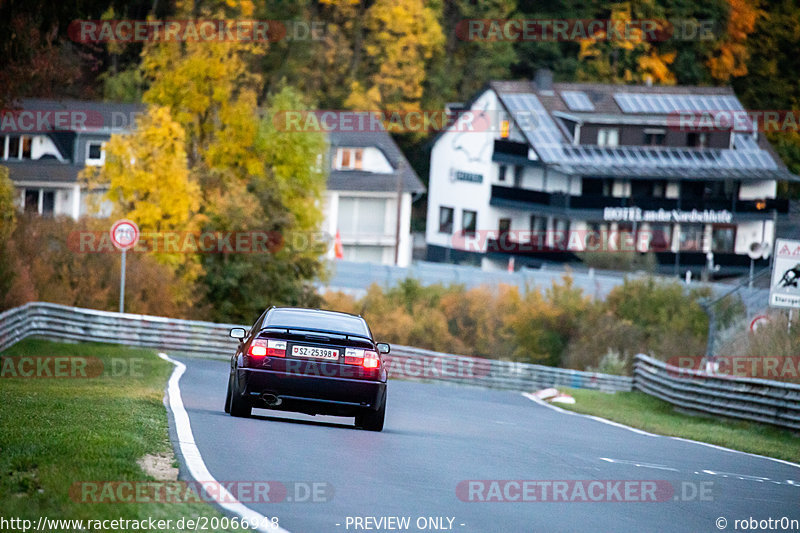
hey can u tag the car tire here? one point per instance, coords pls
(228, 395)
(239, 407)
(372, 420)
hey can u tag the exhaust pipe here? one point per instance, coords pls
(271, 399)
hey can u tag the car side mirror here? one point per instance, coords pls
(383, 347)
(238, 333)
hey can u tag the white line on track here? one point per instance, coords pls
(533, 398)
(194, 461)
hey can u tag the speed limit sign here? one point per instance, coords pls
(124, 234)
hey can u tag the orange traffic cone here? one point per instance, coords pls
(338, 249)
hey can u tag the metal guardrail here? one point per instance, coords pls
(759, 400)
(208, 339)
(61, 322)
(416, 363)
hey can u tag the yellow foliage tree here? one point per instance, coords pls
(252, 177)
(146, 175)
(730, 57)
(146, 179)
(401, 37)
(628, 59)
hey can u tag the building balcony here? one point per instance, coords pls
(517, 197)
(512, 153)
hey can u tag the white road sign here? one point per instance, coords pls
(124, 234)
(784, 291)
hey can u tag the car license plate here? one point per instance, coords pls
(315, 352)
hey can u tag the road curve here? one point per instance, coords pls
(439, 435)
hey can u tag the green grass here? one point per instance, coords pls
(55, 432)
(639, 410)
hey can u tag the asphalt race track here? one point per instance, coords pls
(439, 435)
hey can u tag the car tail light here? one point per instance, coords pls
(258, 348)
(371, 360)
(270, 347)
(276, 348)
(365, 358)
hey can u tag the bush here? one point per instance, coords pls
(46, 269)
(558, 326)
(612, 363)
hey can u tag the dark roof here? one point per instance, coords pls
(749, 159)
(600, 94)
(42, 170)
(83, 115)
(355, 180)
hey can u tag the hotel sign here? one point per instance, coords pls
(460, 175)
(636, 214)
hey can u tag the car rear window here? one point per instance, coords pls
(303, 318)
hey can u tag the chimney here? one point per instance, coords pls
(543, 78)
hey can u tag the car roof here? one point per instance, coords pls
(303, 318)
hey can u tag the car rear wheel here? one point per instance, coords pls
(228, 395)
(238, 405)
(372, 420)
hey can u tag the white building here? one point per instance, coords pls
(563, 161)
(370, 185)
(46, 143)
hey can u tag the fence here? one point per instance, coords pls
(745, 398)
(759, 400)
(355, 277)
(209, 339)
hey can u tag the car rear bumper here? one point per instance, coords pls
(311, 393)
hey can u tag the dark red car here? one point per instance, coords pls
(309, 361)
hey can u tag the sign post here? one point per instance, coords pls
(784, 290)
(124, 235)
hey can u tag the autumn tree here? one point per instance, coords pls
(401, 37)
(282, 197)
(252, 177)
(146, 175)
(145, 178)
(547, 321)
(461, 67)
(8, 218)
(729, 59)
(49, 266)
(771, 80)
(623, 58)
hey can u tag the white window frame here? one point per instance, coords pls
(352, 160)
(92, 161)
(604, 137)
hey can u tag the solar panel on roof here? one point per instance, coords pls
(536, 124)
(547, 140)
(577, 101)
(669, 103)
